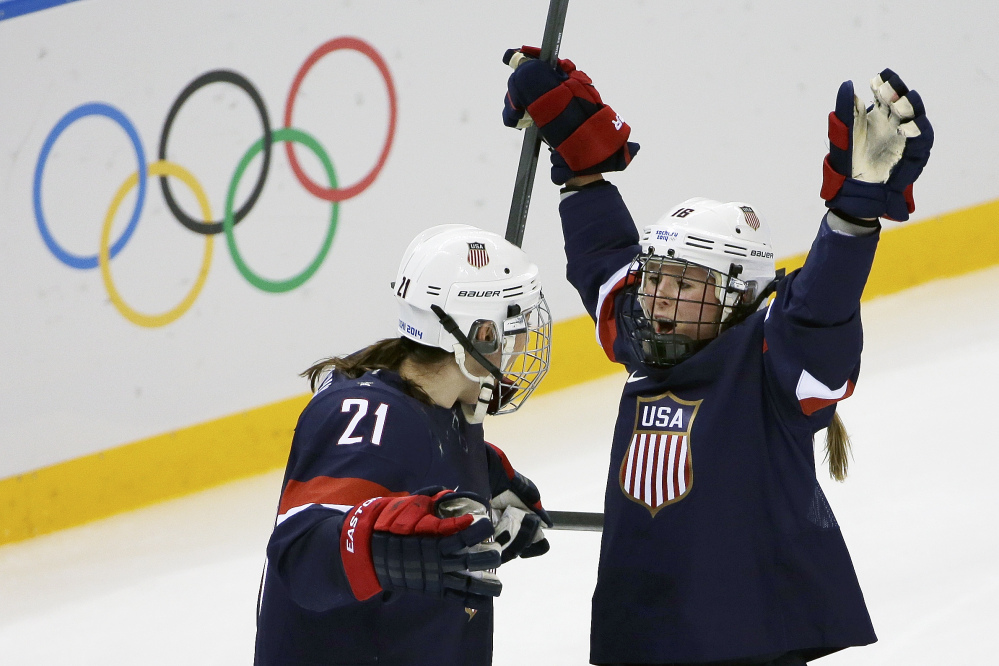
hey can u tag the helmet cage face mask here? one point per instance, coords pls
(515, 361)
(705, 266)
(526, 357)
(673, 308)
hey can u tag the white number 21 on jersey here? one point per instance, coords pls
(361, 404)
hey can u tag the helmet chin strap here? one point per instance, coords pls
(743, 310)
(488, 384)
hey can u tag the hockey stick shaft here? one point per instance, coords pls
(580, 521)
(524, 184)
(532, 140)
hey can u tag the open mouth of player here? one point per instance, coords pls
(663, 325)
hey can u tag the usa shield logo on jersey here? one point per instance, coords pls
(657, 469)
(477, 255)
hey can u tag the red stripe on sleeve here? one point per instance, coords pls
(329, 490)
(507, 467)
(607, 327)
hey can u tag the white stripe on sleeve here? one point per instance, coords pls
(342, 508)
(810, 387)
(605, 289)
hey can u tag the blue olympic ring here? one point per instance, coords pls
(82, 111)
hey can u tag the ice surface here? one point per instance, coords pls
(177, 582)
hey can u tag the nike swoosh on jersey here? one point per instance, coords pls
(633, 378)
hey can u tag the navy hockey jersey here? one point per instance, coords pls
(358, 439)
(718, 542)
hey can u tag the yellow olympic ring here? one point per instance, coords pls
(160, 168)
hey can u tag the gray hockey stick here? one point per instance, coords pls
(580, 521)
(550, 42)
(532, 141)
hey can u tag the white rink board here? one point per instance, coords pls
(727, 101)
(914, 512)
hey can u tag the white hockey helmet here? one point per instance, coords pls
(731, 241)
(470, 291)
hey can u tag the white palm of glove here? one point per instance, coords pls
(508, 513)
(879, 133)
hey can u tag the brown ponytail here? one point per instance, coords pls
(387, 354)
(837, 448)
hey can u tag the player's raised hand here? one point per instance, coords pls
(517, 511)
(435, 542)
(876, 152)
(572, 119)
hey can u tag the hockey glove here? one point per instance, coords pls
(876, 153)
(588, 135)
(427, 543)
(516, 509)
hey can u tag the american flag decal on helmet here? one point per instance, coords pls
(477, 255)
(657, 469)
(751, 219)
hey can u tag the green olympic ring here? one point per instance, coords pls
(288, 134)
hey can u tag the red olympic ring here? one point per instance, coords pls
(342, 193)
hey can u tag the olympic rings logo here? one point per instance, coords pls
(231, 216)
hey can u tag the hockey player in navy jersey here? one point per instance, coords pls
(394, 511)
(719, 546)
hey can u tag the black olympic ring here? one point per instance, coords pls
(216, 76)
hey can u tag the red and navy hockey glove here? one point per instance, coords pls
(587, 135)
(517, 510)
(430, 542)
(876, 153)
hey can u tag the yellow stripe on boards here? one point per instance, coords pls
(949, 245)
(576, 356)
(256, 441)
(946, 246)
(148, 471)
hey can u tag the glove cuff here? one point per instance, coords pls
(355, 548)
(868, 225)
(601, 136)
(869, 200)
(568, 189)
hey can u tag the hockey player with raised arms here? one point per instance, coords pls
(394, 511)
(719, 546)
